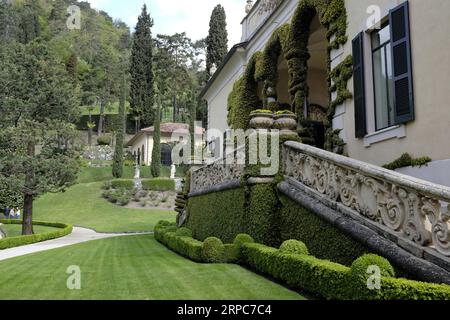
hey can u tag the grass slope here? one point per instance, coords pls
(82, 205)
(133, 267)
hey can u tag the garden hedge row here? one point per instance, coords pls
(218, 214)
(270, 219)
(292, 265)
(64, 230)
(147, 184)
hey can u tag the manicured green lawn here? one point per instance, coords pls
(15, 230)
(131, 267)
(82, 205)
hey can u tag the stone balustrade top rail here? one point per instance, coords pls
(409, 208)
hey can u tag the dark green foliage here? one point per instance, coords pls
(141, 70)
(322, 239)
(407, 160)
(263, 214)
(104, 140)
(220, 214)
(184, 232)
(158, 184)
(304, 272)
(155, 167)
(243, 99)
(12, 242)
(213, 250)
(121, 196)
(360, 266)
(217, 40)
(117, 170)
(231, 253)
(294, 247)
(332, 280)
(122, 184)
(29, 27)
(71, 66)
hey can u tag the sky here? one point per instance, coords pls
(172, 16)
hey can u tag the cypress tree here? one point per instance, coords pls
(71, 66)
(141, 92)
(156, 152)
(117, 169)
(217, 40)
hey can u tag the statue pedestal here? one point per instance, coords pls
(137, 178)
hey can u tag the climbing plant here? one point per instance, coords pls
(292, 41)
(244, 97)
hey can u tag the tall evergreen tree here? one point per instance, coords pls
(156, 152)
(217, 41)
(117, 170)
(141, 70)
(29, 26)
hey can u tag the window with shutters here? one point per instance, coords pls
(383, 81)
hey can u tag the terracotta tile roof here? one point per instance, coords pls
(167, 129)
(170, 127)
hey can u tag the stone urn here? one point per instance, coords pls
(286, 122)
(261, 119)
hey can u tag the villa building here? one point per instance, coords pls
(379, 79)
(141, 145)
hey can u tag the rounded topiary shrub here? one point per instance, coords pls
(184, 232)
(361, 266)
(294, 247)
(242, 238)
(213, 250)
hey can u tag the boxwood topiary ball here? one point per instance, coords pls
(184, 232)
(294, 247)
(242, 238)
(213, 250)
(360, 266)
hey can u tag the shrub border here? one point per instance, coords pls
(12, 242)
(328, 279)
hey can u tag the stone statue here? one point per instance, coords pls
(173, 171)
(248, 6)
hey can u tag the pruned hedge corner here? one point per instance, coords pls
(12, 242)
(293, 265)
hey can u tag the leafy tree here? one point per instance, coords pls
(29, 26)
(117, 170)
(141, 70)
(37, 149)
(71, 66)
(217, 41)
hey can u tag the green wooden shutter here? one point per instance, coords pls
(401, 64)
(359, 95)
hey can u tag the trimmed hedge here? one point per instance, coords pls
(213, 250)
(158, 184)
(147, 184)
(13, 242)
(323, 240)
(304, 272)
(294, 247)
(122, 184)
(332, 280)
(218, 214)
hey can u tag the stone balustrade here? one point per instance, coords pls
(412, 210)
(224, 172)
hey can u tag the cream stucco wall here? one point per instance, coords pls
(430, 44)
(147, 141)
(427, 135)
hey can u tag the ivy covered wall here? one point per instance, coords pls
(291, 42)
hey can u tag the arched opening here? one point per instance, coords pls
(283, 96)
(166, 154)
(317, 81)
